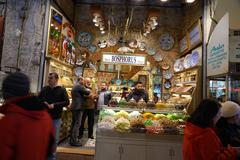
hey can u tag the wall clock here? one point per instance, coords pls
(84, 38)
(166, 41)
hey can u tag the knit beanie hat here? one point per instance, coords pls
(230, 109)
(15, 85)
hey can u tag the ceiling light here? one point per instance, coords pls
(154, 22)
(164, 0)
(153, 27)
(145, 34)
(147, 31)
(52, 25)
(96, 24)
(102, 31)
(95, 20)
(190, 1)
(101, 28)
(56, 28)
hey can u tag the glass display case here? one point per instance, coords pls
(225, 87)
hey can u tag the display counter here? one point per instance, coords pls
(131, 133)
(128, 146)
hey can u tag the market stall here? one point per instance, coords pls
(60, 58)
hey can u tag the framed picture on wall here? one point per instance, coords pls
(143, 79)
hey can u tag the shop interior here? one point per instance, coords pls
(167, 36)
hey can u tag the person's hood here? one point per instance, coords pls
(192, 131)
(29, 106)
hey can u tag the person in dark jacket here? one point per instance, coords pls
(79, 92)
(89, 106)
(138, 93)
(228, 127)
(26, 131)
(200, 140)
(55, 97)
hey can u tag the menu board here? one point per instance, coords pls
(183, 44)
(195, 35)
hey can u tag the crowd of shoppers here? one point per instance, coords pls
(30, 125)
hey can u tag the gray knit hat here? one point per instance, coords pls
(15, 85)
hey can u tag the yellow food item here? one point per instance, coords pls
(148, 115)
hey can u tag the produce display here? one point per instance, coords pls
(147, 122)
(122, 125)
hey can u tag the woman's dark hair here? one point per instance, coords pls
(204, 114)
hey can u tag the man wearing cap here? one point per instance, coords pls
(55, 97)
(26, 131)
(228, 127)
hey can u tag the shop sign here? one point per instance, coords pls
(234, 53)
(124, 59)
(218, 48)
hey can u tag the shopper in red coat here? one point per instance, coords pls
(26, 130)
(200, 140)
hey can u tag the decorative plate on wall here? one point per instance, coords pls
(167, 74)
(133, 43)
(84, 38)
(151, 51)
(157, 80)
(92, 48)
(187, 61)
(118, 82)
(158, 57)
(166, 41)
(194, 60)
(130, 83)
(111, 41)
(177, 65)
(142, 46)
(165, 66)
(78, 71)
(167, 84)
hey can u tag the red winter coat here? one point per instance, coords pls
(25, 130)
(203, 144)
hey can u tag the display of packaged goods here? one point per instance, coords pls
(145, 122)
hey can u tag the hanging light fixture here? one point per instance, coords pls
(164, 0)
(190, 1)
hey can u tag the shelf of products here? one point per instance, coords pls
(187, 88)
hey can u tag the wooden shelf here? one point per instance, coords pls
(190, 83)
(59, 61)
(186, 70)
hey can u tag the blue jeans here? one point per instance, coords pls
(57, 126)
